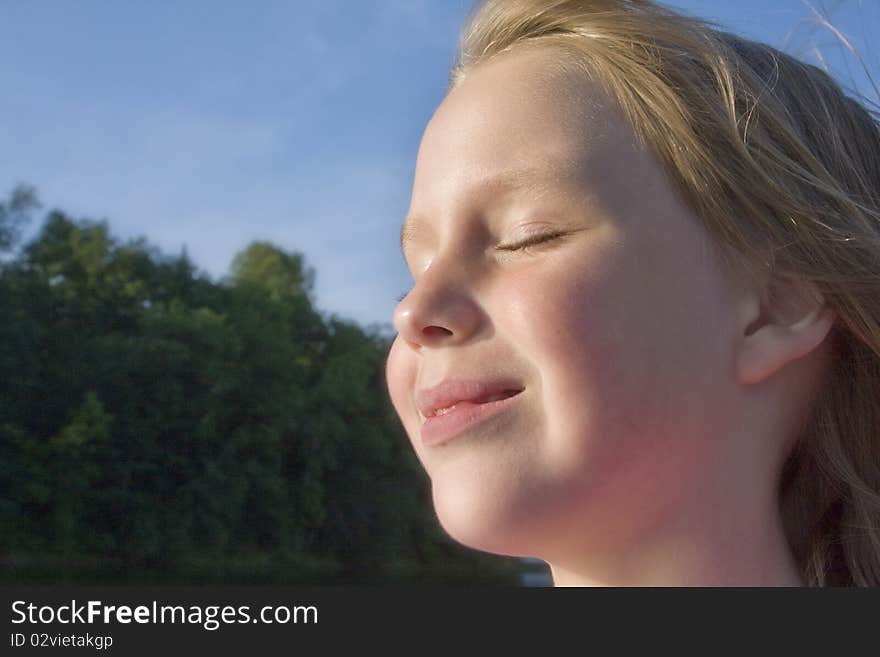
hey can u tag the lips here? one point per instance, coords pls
(441, 398)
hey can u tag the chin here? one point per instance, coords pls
(484, 523)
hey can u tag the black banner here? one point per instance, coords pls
(327, 620)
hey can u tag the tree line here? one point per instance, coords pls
(150, 415)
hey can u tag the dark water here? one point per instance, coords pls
(33, 572)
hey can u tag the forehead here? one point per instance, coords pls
(519, 108)
(517, 123)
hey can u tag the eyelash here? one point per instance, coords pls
(529, 242)
(523, 245)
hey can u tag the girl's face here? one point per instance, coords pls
(618, 328)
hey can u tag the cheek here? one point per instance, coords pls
(579, 323)
(617, 363)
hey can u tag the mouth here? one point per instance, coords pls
(484, 399)
(450, 393)
(445, 418)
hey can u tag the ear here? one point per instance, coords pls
(785, 321)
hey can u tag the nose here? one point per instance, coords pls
(440, 310)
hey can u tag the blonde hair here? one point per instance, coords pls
(784, 170)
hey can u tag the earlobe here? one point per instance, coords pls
(791, 322)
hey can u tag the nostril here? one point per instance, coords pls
(435, 330)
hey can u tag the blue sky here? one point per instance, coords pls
(210, 124)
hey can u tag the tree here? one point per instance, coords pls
(282, 274)
(15, 213)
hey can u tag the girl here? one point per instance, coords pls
(643, 342)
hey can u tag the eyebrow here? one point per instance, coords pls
(536, 178)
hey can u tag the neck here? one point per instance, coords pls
(732, 544)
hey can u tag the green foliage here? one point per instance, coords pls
(281, 274)
(15, 213)
(150, 416)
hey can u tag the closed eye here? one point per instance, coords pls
(529, 242)
(523, 245)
